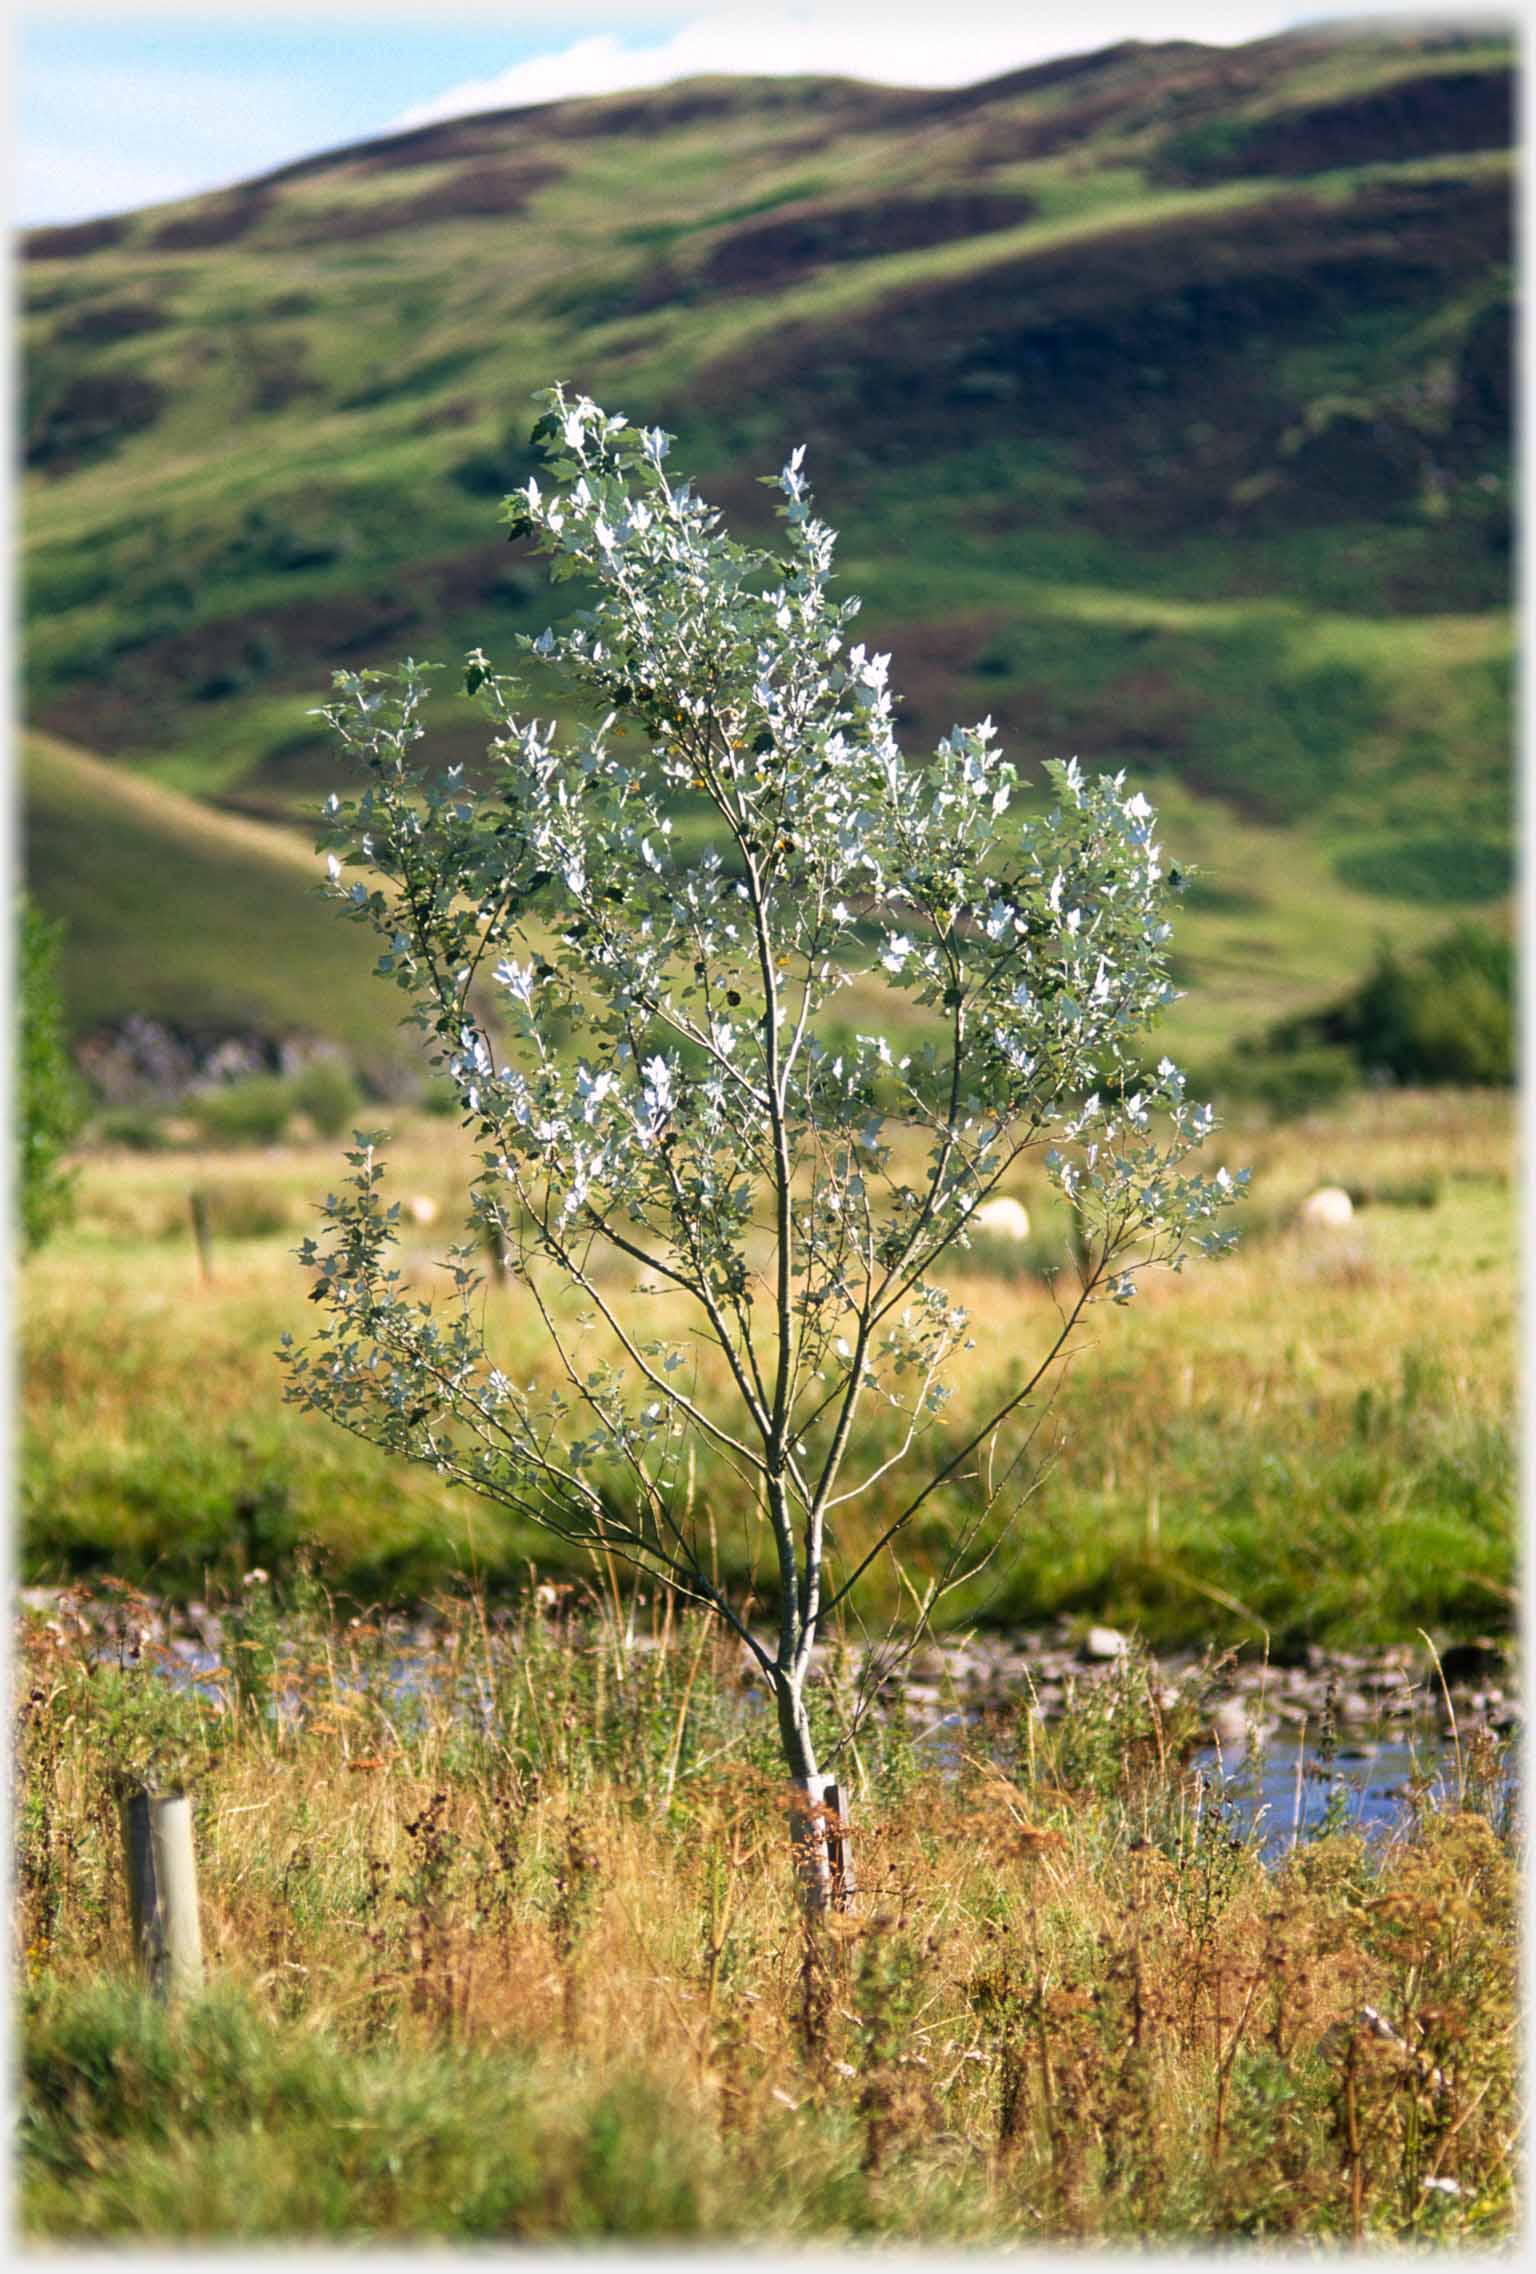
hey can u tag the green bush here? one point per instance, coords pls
(137, 1128)
(258, 1110)
(1289, 1083)
(49, 1096)
(253, 1112)
(1444, 1015)
(327, 1093)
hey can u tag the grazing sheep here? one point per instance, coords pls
(1004, 1219)
(422, 1208)
(1328, 1209)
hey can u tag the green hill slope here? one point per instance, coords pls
(203, 920)
(1162, 396)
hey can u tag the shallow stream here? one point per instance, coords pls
(1380, 1769)
(1370, 1784)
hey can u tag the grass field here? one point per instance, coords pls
(1310, 1439)
(513, 1956)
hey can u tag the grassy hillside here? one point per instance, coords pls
(188, 915)
(1161, 395)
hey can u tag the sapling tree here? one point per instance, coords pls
(748, 1012)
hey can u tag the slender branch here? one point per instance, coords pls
(947, 1471)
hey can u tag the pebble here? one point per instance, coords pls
(1389, 1687)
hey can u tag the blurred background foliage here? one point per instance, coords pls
(1162, 396)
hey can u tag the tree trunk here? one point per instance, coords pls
(818, 1820)
(822, 1844)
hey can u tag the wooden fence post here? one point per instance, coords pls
(162, 1891)
(199, 1201)
(822, 1844)
(839, 1844)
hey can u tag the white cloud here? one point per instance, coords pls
(97, 136)
(933, 46)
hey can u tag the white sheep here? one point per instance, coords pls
(422, 1208)
(1004, 1219)
(1328, 1209)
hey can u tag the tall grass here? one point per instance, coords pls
(510, 1951)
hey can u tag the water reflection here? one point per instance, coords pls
(1288, 1793)
(1283, 1790)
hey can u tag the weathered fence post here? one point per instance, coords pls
(162, 1891)
(199, 1201)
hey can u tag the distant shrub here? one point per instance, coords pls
(1423, 1191)
(133, 1127)
(221, 684)
(1445, 1015)
(1206, 152)
(258, 1110)
(48, 1092)
(1287, 1082)
(253, 1112)
(327, 1093)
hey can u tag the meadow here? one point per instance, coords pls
(1309, 1440)
(508, 1951)
(502, 1935)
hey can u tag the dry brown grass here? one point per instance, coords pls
(1070, 1999)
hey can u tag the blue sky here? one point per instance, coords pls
(116, 106)
(117, 111)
